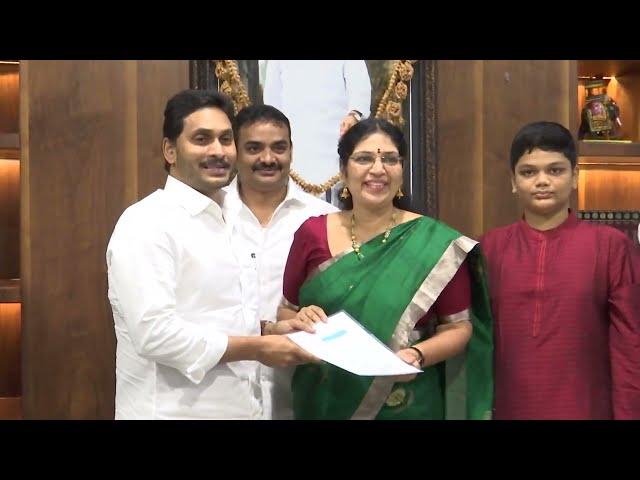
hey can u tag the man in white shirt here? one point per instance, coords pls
(187, 344)
(322, 99)
(266, 209)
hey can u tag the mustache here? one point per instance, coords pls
(215, 162)
(271, 166)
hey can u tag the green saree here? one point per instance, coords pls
(388, 291)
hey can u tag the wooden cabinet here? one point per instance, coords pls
(10, 307)
(609, 183)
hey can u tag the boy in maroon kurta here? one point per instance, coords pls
(565, 296)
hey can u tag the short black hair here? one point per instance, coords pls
(357, 134)
(184, 103)
(547, 136)
(259, 114)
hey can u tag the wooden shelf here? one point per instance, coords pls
(10, 291)
(607, 68)
(605, 149)
(9, 141)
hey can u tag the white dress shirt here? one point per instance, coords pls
(176, 291)
(262, 253)
(316, 95)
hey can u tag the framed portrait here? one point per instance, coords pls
(252, 81)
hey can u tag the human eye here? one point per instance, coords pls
(391, 159)
(226, 139)
(279, 148)
(363, 159)
(253, 148)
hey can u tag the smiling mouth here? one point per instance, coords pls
(376, 186)
(216, 168)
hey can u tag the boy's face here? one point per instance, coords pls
(544, 181)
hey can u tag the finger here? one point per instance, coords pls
(302, 325)
(313, 316)
(319, 312)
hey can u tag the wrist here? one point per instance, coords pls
(420, 355)
(266, 327)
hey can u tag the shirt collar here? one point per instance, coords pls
(568, 223)
(188, 198)
(294, 193)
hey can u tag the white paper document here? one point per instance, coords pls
(345, 343)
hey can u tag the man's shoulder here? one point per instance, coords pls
(604, 232)
(152, 209)
(314, 205)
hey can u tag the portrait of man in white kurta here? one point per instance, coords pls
(320, 98)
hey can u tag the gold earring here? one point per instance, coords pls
(399, 194)
(345, 193)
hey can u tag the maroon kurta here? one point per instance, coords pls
(566, 306)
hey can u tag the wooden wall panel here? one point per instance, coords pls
(9, 219)
(151, 173)
(481, 106)
(9, 106)
(460, 150)
(83, 124)
(9, 350)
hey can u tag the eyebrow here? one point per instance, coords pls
(375, 153)
(208, 131)
(253, 143)
(553, 164)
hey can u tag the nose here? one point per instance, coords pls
(542, 179)
(268, 156)
(215, 149)
(377, 168)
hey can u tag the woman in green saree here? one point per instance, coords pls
(413, 282)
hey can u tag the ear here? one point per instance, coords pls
(513, 183)
(576, 172)
(169, 151)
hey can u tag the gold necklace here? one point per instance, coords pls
(354, 242)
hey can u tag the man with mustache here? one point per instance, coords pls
(266, 209)
(565, 296)
(188, 345)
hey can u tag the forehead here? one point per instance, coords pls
(541, 158)
(263, 131)
(207, 118)
(374, 142)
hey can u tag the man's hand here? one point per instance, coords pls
(346, 123)
(280, 351)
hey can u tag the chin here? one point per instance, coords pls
(376, 200)
(546, 210)
(218, 182)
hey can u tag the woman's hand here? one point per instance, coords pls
(303, 320)
(311, 315)
(410, 356)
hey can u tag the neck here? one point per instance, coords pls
(546, 222)
(371, 221)
(262, 204)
